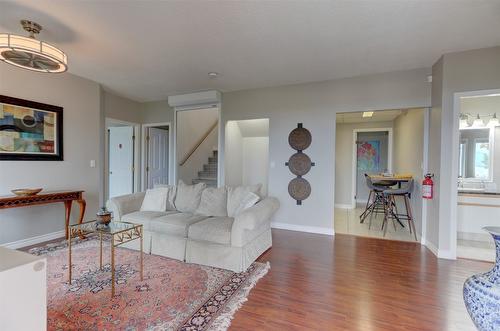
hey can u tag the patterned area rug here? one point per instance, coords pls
(173, 296)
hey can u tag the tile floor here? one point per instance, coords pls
(347, 222)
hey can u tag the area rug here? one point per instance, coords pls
(173, 295)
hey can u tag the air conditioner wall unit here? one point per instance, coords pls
(198, 100)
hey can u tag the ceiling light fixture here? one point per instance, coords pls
(367, 114)
(213, 75)
(31, 54)
(478, 122)
(494, 121)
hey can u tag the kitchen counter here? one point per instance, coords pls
(478, 193)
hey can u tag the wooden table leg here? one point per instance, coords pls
(67, 207)
(82, 203)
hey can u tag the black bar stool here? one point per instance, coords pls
(375, 203)
(390, 209)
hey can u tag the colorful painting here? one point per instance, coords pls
(29, 130)
(369, 155)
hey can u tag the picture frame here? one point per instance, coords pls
(30, 131)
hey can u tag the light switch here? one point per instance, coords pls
(92, 163)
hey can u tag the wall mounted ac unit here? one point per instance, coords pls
(198, 100)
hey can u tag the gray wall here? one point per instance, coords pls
(408, 156)
(120, 108)
(81, 100)
(315, 105)
(456, 72)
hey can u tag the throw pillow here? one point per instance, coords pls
(213, 202)
(188, 197)
(237, 195)
(247, 201)
(155, 200)
(172, 191)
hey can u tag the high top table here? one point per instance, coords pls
(43, 198)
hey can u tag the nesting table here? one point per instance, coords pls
(118, 233)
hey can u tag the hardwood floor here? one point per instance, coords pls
(319, 282)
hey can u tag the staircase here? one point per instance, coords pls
(209, 173)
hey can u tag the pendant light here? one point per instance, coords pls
(464, 121)
(30, 53)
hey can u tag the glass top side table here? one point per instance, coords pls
(118, 232)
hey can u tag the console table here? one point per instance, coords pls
(43, 198)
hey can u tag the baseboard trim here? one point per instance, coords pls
(303, 228)
(432, 248)
(343, 206)
(34, 240)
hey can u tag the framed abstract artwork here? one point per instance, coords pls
(30, 131)
(369, 155)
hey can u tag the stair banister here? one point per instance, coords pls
(200, 141)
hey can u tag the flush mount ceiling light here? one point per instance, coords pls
(367, 114)
(213, 74)
(31, 54)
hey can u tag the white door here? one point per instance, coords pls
(121, 160)
(157, 157)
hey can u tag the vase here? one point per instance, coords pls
(482, 292)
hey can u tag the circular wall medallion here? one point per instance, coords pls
(299, 188)
(299, 139)
(299, 164)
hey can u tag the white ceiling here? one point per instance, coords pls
(378, 116)
(147, 50)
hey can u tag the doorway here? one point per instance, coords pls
(373, 155)
(197, 146)
(156, 154)
(120, 158)
(382, 144)
(247, 153)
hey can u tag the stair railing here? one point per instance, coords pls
(199, 142)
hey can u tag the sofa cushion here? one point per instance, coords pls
(143, 217)
(175, 224)
(213, 202)
(172, 191)
(188, 197)
(213, 229)
(155, 200)
(238, 198)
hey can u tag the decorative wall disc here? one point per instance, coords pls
(299, 164)
(299, 188)
(300, 138)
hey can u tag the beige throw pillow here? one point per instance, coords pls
(213, 202)
(172, 191)
(155, 200)
(188, 197)
(238, 198)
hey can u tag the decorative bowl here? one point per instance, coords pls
(26, 191)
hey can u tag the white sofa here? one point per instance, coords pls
(192, 234)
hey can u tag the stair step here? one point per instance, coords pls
(208, 182)
(207, 174)
(212, 160)
(209, 167)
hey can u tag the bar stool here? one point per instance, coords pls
(390, 209)
(375, 206)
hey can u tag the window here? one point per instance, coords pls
(462, 158)
(481, 158)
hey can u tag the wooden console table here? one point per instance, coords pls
(44, 198)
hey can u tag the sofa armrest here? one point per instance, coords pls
(125, 204)
(252, 218)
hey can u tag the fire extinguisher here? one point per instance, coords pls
(428, 187)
